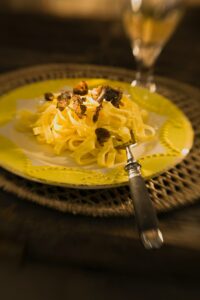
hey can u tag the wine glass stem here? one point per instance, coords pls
(144, 76)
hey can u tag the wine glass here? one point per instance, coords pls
(149, 24)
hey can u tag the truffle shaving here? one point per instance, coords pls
(78, 106)
(113, 95)
(102, 135)
(81, 88)
(63, 100)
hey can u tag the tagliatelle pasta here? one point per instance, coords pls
(67, 123)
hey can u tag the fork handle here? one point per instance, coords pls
(145, 214)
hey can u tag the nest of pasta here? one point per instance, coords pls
(90, 124)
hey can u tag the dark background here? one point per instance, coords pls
(30, 39)
(47, 255)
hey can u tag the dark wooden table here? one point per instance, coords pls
(49, 253)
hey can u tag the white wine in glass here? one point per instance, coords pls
(149, 24)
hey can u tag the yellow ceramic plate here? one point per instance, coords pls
(21, 154)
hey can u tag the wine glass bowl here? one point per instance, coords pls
(149, 25)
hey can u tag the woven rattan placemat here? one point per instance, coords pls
(177, 187)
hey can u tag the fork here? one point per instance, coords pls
(145, 214)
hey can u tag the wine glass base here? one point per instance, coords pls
(151, 86)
